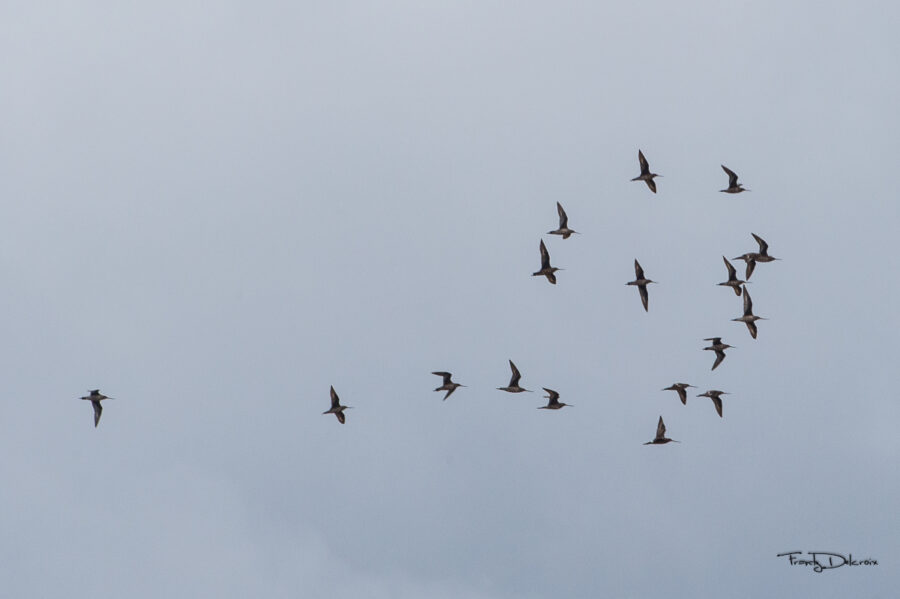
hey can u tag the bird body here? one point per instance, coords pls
(661, 438)
(448, 386)
(646, 176)
(553, 403)
(95, 397)
(681, 389)
(641, 283)
(336, 408)
(563, 229)
(732, 281)
(513, 386)
(751, 258)
(749, 318)
(546, 270)
(718, 347)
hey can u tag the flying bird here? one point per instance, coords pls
(563, 229)
(513, 381)
(95, 398)
(546, 270)
(336, 408)
(733, 185)
(749, 318)
(732, 281)
(751, 258)
(554, 403)
(448, 386)
(716, 398)
(641, 283)
(646, 175)
(718, 347)
(681, 389)
(660, 435)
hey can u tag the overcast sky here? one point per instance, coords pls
(215, 212)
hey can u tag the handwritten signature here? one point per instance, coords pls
(819, 562)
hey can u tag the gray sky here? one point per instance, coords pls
(214, 213)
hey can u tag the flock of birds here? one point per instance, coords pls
(640, 281)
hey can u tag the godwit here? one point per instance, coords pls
(716, 398)
(563, 229)
(732, 281)
(661, 435)
(718, 347)
(546, 270)
(513, 381)
(751, 258)
(554, 403)
(646, 176)
(448, 386)
(681, 389)
(95, 398)
(733, 185)
(749, 318)
(641, 283)
(336, 408)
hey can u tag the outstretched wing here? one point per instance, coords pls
(763, 246)
(638, 271)
(645, 166)
(732, 176)
(545, 256)
(446, 376)
(660, 429)
(748, 303)
(732, 273)
(98, 409)
(516, 375)
(563, 219)
(335, 401)
(645, 297)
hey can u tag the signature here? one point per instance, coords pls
(820, 563)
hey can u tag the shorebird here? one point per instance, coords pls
(554, 403)
(563, 229)
(661, 437)
(732, 281)
(513, 381)
(749, 318)
(336, 408)
(646, 176)
(733, 185)
(546, 270)
(448, 386)
(681, 389)
(716, 398)
(641, 283)
(718, 347)
(751, 258)
(95, 398)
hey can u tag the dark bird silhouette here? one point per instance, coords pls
(661, 435)
(641, 282)
(336, 408)
(749, 318)
(546, 270)
(681, 389)
(732, 281)
(448, 386)
(718, 347)
(751, 258)
(733, 185)
(563, 229)
(95, 398)
(513, 386)
(716, 398)
(554, 403)
(646, 176)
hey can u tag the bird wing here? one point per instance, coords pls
(645, 166)
(732, 273)
(98, 409)
(715, 340)
(660, 429)
(340, 416)
(682, 394)
(751, 264)
(732, 176)
(516, 375)
(446, 376)
(720, 355)
(752, 328)
(645, 297)
(748, 303)
(638, 271)
(545, 256)
(335, 400)
(718, 402)
(763, 246)
(651, 184)
(563, 219)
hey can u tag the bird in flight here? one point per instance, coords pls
(641, 282)
(336, 408)
(681, 389)
(513, 386)
(554, 403)
(749, 318)
(563, 229)
(733, 185)
(646, 176)
(751, 258)
(718, 347)
(661, 437)
(448, 386)
(95, 398)
(732, 281)
(716, 397)
(546, 270)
